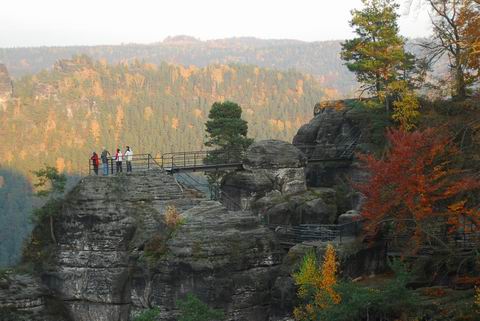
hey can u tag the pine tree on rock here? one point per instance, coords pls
(377, 55)
(225, 128)
(227, 133)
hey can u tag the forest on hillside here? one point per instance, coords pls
(320, 59)
(59, 116)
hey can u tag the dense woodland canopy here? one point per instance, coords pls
(320, 58)
(59, 116)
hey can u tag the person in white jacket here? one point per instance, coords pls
(128, 158)
(118, 160)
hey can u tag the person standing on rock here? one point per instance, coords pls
(104, 156)
(118, 160)
(95, 162)
(128, 158)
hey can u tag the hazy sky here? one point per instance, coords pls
(90, 22)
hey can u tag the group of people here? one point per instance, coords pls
(106, 157)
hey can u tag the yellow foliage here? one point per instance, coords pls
(175, 122)
(316, 285)
(405, 109)
(172, 217)
(329, 274)
(60, 164)
(95, 130)
(147, 113)
(198, 113)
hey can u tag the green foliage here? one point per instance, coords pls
(384, 302)
(368, 116)
(377, 56)
(225, 128)
(148, 315)
(52, 187)
(227, 132)
(51, 182)
(390, 300)
(193, 309)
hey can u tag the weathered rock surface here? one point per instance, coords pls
(273, 154)
(335, 132)
(315, 206)
(101, 269)
(23, 297)
(270, 165)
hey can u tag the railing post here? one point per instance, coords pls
(89, 168)
(172, 161)
(111, 165)
(184, 159)
(148, 161)
(194, 160)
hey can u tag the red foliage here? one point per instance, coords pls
(417, 181)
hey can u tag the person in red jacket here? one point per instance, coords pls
(95, 162)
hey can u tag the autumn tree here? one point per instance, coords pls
(316, 285)
(456, 34)
(470, 32)
(417, 184)
(378, 58)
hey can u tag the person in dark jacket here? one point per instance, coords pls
(95, 162)
(104, 156)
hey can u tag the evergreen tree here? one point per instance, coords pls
(377, 56)
(225, 128)
(227, 132)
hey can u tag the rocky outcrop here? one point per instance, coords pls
(23, 297)
(273, 154)
(336, 132)
(315, 206)
(270, 165)
(116, 255)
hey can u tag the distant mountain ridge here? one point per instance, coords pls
(320, 59)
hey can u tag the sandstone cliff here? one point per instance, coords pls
(115, 254)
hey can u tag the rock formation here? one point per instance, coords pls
(116, 255)
(337, 131)
(271, 166)
(23, 297)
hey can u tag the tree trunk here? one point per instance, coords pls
(52, 233)
(460, 86)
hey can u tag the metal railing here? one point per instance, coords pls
(316, 232)
(202, 160)
(139, 162)
(212, 160)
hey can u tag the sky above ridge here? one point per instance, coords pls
(95, 22)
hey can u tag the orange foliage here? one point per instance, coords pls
(417, 181)
(315, 285)
(172, 217)
(434, 292)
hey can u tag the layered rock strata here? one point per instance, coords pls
(115, 254)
